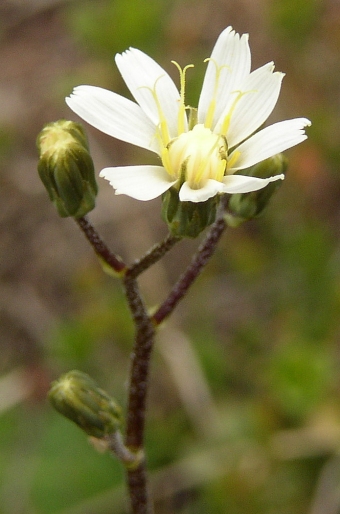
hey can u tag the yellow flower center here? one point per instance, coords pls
(196, 156)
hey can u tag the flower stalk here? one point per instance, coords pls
(196, 266)
(115, 444)
(110, 261)
(152, 256)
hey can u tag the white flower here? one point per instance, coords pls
(201, 152)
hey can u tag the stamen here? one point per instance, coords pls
(182, 172)
(163, 126)
(204, 162)
(212, 106)
(220, 170)
(234, 158)
(181, 112)
(196, 156)
(227, 119)
(166, 161)
(192, 117)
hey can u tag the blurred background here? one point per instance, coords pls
(244, 404)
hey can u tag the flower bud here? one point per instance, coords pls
(77, 396)
(66, 168)
(246, 206)
(187, 219)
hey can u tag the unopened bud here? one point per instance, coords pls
(66, 168)
(77, 396)
(187, 219)
(246, 206)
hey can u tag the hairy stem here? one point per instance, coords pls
(135, 422)
(137, 481)
(152, 256)
(112, 260)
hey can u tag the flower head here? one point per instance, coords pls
(66, 168)
(199, 151)
(77, 396)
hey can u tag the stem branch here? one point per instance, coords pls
(152, 256)
(114, 261)
(115, 443)
(200, 259)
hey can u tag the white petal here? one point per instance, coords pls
(270, 141)
(210, 188)
(231, 55)
(114, 115)
(144, 77)
(242, 184)
(139, 182)
(262, 89)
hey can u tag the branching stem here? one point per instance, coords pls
(145, 326)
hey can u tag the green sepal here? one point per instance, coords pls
(187, 219)
(77, 397)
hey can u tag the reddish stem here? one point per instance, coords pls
(200, 259)
(114, 261)
(135, 421)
